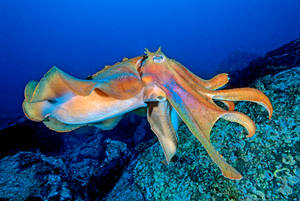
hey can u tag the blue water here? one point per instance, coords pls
(82, 36)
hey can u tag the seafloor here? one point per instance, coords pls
(124, 164)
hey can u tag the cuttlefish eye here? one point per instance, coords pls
(158, 59)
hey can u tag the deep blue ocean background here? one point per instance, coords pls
(256, 41)
(82, 36)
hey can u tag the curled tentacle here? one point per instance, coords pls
(244, 94)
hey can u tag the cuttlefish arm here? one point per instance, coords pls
(163, 120)
(195, 106)
(198, 83)
(65, 103)
(200, 116)
(244, 94)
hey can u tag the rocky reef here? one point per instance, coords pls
(124, 164)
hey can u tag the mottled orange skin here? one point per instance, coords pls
(170, 92)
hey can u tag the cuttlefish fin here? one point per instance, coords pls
(57, 83)
(37, 111)
(58, 126)
(29, 89)
(108, 124)
(159, 117)
(56, 87)
(200, 115)
(244, 94)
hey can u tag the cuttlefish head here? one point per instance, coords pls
(156, 66)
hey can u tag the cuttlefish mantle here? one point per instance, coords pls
(170, 92)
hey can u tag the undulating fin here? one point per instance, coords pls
(58, 126)
(108, 124)
(37, 111)
(29, 89)
(41, 98)
(57, 83)
(244, 94)
(190, 107)
(76, 101)
(159, 117)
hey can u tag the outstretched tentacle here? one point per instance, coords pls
(244, 94)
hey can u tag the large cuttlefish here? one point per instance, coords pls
(169, 92)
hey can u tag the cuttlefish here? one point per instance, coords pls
(170, 93)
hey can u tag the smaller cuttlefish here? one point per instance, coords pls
(170, 93)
